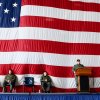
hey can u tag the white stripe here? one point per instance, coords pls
(65, 14)
(56, 81)
(49, 34)
(47, 58)
(88, 1)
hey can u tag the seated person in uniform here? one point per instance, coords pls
(10, 80)
(78, 65)
(45, 82)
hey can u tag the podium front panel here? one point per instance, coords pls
(83, 84)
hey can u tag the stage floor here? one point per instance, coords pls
(49, 96)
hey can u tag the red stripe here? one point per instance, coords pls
(53, 89)
(37, 88)
(56, 90)
(49, 47)
(64, 4)
(46, 22)
(95, 90)
(56, 71)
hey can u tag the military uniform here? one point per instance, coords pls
(74, 69)
(45, 83)
(12, 79)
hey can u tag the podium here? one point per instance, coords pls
(83, 79)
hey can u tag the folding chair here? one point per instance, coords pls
(29, 81)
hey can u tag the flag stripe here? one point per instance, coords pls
(38, 46)
(36, 69)
(53, 89)
(37, 88)
(42, 58)
(60, 84)
(60, 24)
(89, 1)
(65, 4)
(57, 82)
(60, 13)
(39, 69)
(37, 33)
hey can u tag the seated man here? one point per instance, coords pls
(10, 79)
(45, 82)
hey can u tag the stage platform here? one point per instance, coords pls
(50, 96)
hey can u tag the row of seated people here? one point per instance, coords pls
(11, 78)
(45, 80)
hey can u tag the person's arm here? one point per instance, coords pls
(73, 69)
(13, 79)
(49, 79)
(82, 65)
(6, 78)
(41, 79)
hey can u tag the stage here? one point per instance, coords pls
(50, 96)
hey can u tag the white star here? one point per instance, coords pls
(6, 11)
(0, 4)
(15, 4)
(13, 19)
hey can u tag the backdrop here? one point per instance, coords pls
(49, 35)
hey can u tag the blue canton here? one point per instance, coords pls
(9, 13)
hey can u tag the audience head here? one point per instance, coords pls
(78, 61)
(10, 71)
(45, 73)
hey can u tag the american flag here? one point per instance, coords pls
(49, 35)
